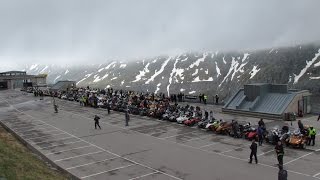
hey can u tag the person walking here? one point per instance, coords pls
(254, 149)
(280, 152)
(312, 135)
(96, 122)
(282, 174)
(127, 118)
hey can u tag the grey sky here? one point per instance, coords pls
(65, 31)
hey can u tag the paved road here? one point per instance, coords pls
(147, 149)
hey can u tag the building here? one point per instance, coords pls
(20, 79)
(269, 101)
(63, 86)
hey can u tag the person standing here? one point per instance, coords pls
(260, 134)
(312, 135)
(254, 149)
(205, 97)
(96, 122)
(280, 152)
(108, 107)
(318, 117)
(217, 99)
(282, 174)
(127, 118)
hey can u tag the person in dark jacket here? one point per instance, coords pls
(260, 134)
(282, 174)
(318, 117)
(280, 152)
(301, 127)
(254, 149)
(261, 123)
(96, 122)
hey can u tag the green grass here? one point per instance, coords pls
(17, 162)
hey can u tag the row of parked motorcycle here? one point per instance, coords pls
(194, 116)
(191, 116)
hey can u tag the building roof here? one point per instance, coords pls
(13, 72)
(262, 98)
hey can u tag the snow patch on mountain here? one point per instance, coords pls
(34, 66)
(245, 56)
(198, 61)
(224, 61)
(114, 78)
(85, 77)
(233, 68)
(158, 88)
(254, 71)
(315, 77)
(195, 73)
(171, 75)
(270, 51)
(217, 69)
(197, 79)
(317, 64)
(158, 72)
(207, 71)
(309, 63)
(43, 70)
(182, 90)
(56, 78)
(67, 71)
(123, 65)
(184, 59)
(142, 73)
(122, 82)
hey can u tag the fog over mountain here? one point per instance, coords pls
(85, 32)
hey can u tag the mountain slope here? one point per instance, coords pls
(194, 73)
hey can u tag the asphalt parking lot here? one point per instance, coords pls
(147, 149)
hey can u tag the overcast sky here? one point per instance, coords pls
(68, 31)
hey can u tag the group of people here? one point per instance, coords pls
(309, 131)
(204, 98)
(282, 174)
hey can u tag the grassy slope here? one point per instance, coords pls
(17, 162)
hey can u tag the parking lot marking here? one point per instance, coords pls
(143, 176)
(84, 177)
(226, 151)
(45, 136)
(298, 158)
(316, 175)
(208, 145)
(48, 147)
(202, 137)
(177, 135)
(68, 150)
(265, 152)
(78, 156)
(51, 140)
(90, 163)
